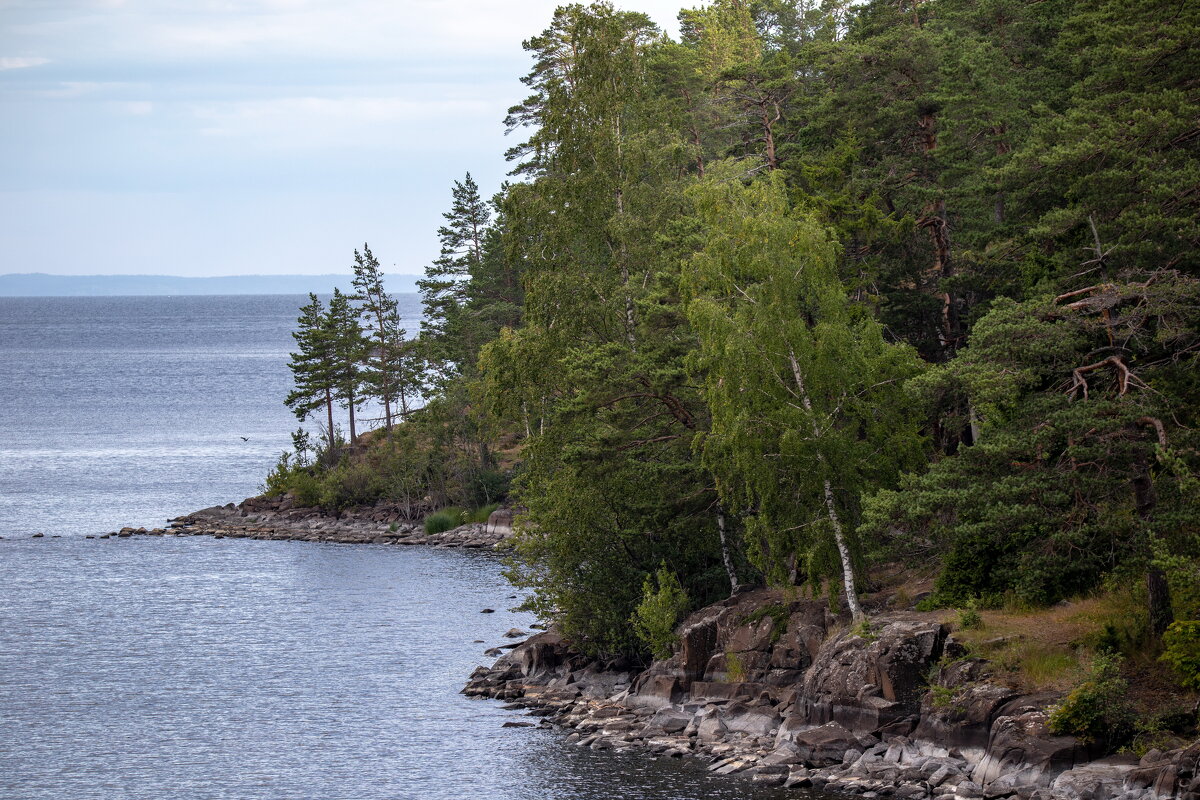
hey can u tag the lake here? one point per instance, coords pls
(156, 668)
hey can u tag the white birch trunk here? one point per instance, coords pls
(830, 506)
(725, 555)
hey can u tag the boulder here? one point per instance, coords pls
(1022, 752)
(819, 746)
(866, 682)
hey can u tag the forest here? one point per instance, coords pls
(815, 288)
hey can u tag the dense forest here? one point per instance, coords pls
(817, 287)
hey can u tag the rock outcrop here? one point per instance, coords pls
(279, 519)
(789, 695)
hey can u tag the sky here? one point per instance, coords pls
(226, 137)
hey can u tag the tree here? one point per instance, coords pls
(1106, 183)
(347, 350)
(444, 288)
(313, 366)
(385, 351)
(1078, 398)
(804, 391)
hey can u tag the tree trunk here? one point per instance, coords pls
(725, 554)
(1158, 591)
(353, 435)
(830, 504)
(1159, 594)
(329, 414)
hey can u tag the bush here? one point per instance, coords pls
(444, 520)
(1182, 651)
(655, 617)
(1097, 711)
(969, 618)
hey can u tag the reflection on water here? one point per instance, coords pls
(196, 668)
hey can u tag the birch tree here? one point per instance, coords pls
(804, 391)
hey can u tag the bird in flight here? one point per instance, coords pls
(245, 438)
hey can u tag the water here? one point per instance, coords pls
(128, 410)
(160, 668)
(197, 668)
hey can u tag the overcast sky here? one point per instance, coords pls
(221, 137)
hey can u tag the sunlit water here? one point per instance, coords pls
(163, 668)
(126, 410)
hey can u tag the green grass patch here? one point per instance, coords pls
(444, 520)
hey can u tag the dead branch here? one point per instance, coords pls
(1155, 423)
(1125, 377)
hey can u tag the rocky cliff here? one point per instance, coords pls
(791, 695)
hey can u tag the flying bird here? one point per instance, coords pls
(245, 438)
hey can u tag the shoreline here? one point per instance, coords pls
(822, 706)
(276, 519)
(814, 705)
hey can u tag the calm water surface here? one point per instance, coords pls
(155, 669)
(126, 410)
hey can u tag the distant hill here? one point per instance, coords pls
(36, 284)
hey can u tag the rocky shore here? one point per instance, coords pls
(279, 519)
(789, 695)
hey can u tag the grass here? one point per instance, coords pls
(444, 520)
(450, 518)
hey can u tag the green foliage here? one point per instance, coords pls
(1098, 710)
(444, 520)
(480, 515)
(827, 418)
(969, 617)
(391, 370)
(664, 602)
(735, 670)
(1181, 651)
(941, 696)
(870, 280)
(865, 631)
(1046, 502)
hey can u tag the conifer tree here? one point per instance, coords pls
(444, 288)
(347, 349)
(386, 351)
(313, 366)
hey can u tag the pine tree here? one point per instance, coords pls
(347, 350)
(444, 288)
(386, 350)
(313, 367)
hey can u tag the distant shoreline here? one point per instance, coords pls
(32, 284)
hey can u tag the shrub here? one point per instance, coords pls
(865, 631)
(1182, 651)
(968, 618)
(661, 608)
(444, 520)
(941, 696)
(306, 488)
(1096, 711)
(278, 478)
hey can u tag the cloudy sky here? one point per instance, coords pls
(222, 137)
